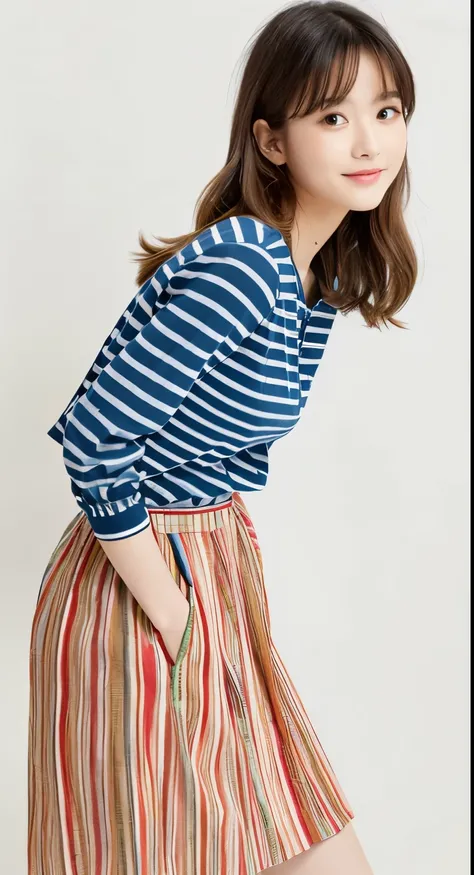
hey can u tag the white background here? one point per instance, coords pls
(114, 117)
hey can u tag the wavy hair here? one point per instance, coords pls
(288, 67)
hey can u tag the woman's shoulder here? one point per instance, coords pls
(237, 234)
(240, 250)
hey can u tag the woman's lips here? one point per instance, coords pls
(364, 178)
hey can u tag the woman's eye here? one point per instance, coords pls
(333, 115)
(391, 108)
(336, 115)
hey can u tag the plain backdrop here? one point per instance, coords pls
(114, 117)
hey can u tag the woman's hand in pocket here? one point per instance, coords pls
(172, 635)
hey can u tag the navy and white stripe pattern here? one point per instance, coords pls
(211, 362)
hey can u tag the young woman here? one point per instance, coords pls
(166, 735)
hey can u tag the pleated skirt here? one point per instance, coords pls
(138, 765)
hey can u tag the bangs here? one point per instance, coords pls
(328, 84)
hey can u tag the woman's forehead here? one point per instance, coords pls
(335, 87)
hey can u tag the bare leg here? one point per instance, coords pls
(341, 854)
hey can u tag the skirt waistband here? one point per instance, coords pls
(191, 519)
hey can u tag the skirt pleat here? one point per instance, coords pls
(139, 765)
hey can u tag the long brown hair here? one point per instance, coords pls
(289, 65)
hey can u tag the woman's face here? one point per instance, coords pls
(362, 133)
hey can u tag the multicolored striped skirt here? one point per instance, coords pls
(139, 765)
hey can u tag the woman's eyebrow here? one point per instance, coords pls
(384, 95)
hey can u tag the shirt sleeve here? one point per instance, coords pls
(216, 300)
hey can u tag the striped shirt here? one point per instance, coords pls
(211, 363)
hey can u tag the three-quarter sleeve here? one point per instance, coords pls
(215, 300)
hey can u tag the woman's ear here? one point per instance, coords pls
(268, 142)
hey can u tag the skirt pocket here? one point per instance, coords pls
(185, 640)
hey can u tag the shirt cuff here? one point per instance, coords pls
(116, 520)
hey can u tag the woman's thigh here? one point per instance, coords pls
(341, 854)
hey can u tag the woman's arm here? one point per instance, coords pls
(217, 299)
(140, 563)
